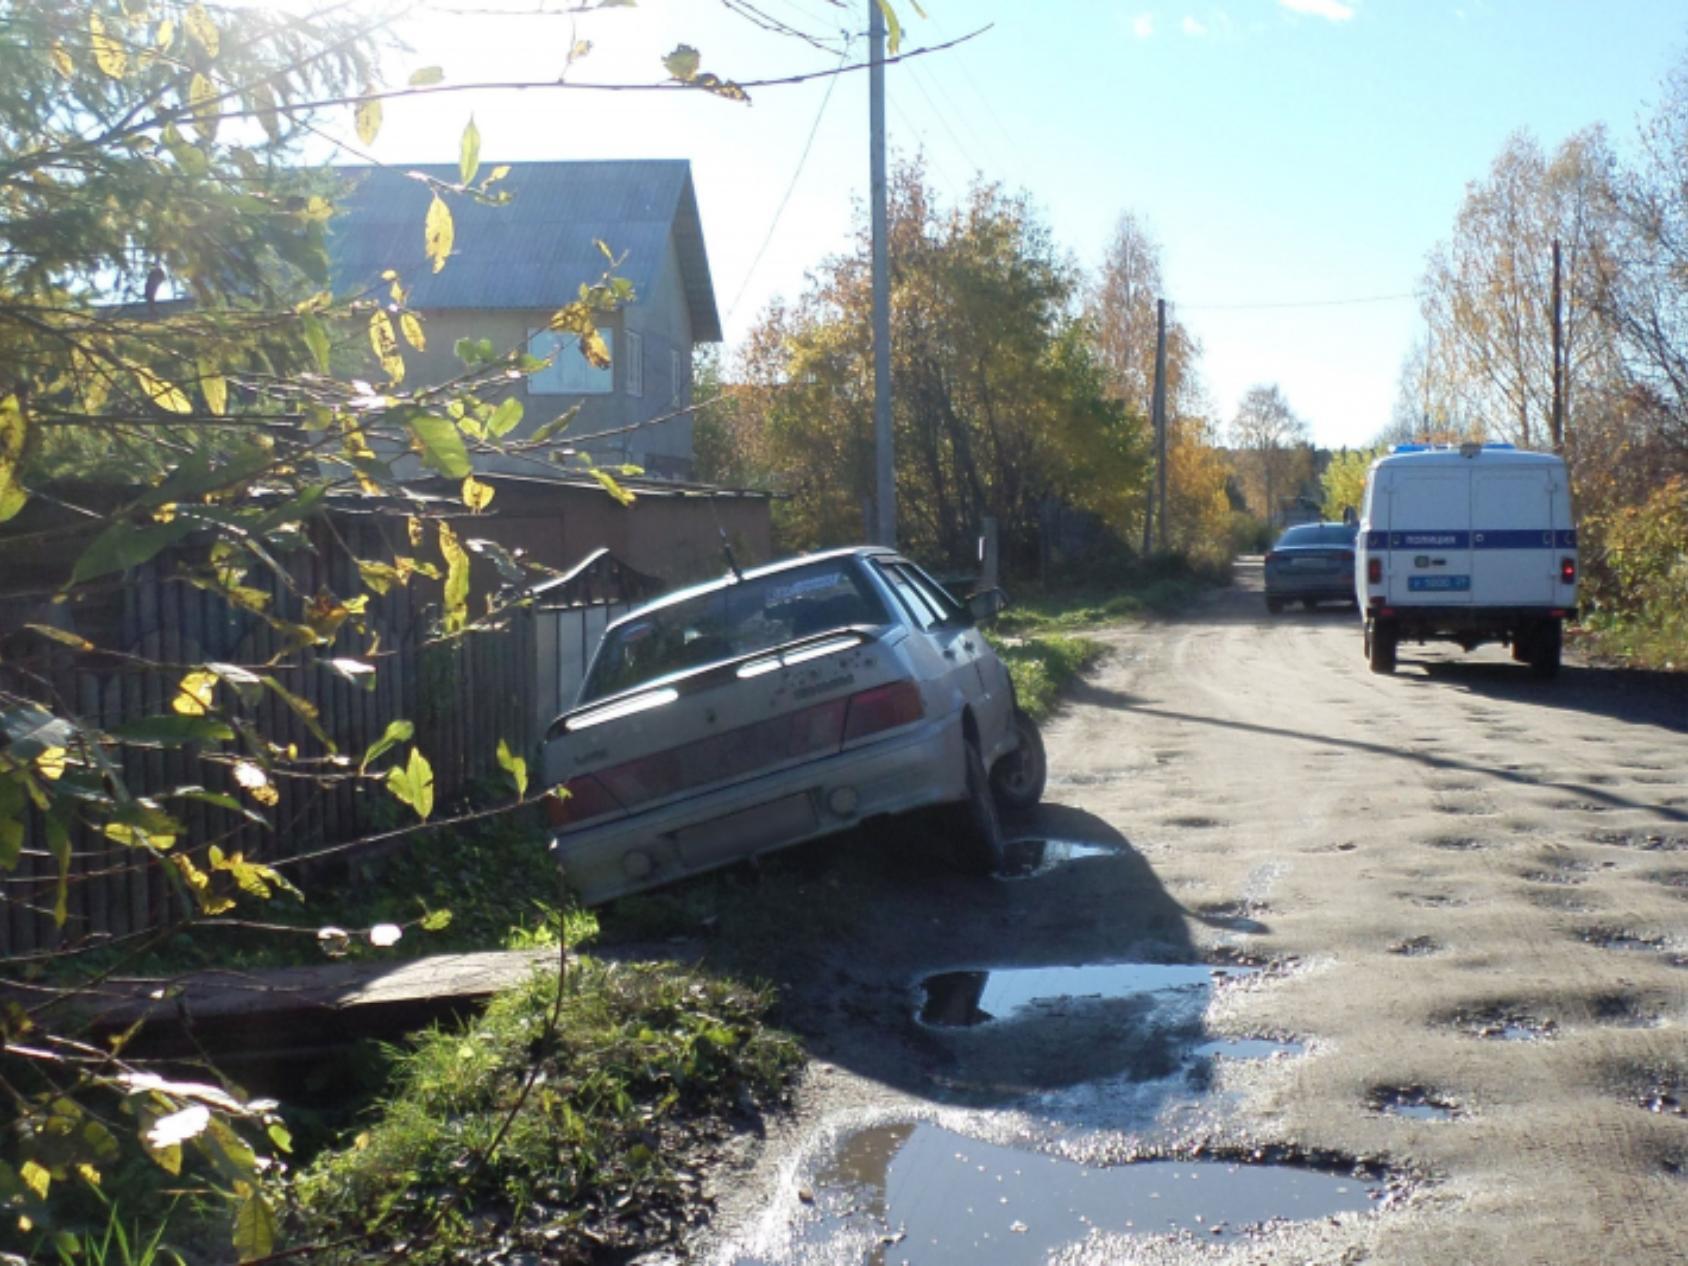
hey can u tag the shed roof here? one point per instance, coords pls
(536, 249)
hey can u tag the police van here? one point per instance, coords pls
(1472, 543)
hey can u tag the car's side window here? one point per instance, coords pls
(919, 606)
(935, 593)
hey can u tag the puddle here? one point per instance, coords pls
(1023, 858)
(962, 998)
(1646, 841)
(1413, 1102)
(1417, 947)
(1627, 942)
(1194, 823)
(927, 1196)
(1247, 1048)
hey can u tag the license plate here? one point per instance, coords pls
(1438, 584)
(1310, 564)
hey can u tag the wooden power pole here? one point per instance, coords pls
(1159, 409)
(884, 465)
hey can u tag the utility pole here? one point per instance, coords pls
(1558, 421)
(1159, 409)
(884, 466)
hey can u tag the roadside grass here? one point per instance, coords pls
(1088, 607)
(1042, 666)
(599, 1120)
(1656, 640)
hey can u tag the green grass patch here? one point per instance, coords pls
(1650, 639)
(1042, 666)
(646, 1062)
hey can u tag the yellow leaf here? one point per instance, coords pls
(369, 120)
(14, 431)
(215, 389)
(202, 29)
(596, 351)
(438, 232)
(36, 1178)
(456, 589)
(257, 783)
(165, 394)
(62, 62)
(413, 529)
(411, 325)
(109, 54)
(50, 763)
(202, 100)
(193, 696)
(386, 345)
(88, 1173)
(476, 495)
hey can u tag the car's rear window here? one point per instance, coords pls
(1317, 534)
(737, 619)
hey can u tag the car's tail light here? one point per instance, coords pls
(883, 708)
(1271, 556)
(1347, 555)
(1374, 571)
(583, 798)
(1567, 571)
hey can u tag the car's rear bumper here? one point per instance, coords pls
(914, 769)
(1298, 585)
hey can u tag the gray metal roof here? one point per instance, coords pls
(535, 250)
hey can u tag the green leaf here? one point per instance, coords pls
(469, 152)
(436, 920)
(396, 732)
(173, 731)
(202, 101)
(58, 844)
(683, 63)
(316, 339)
(254, 1228)
(202, 29)
(414, 784)
(515, 766)
(440, 443)
(505, 418)
(893, 28)
(438, 232)
(122, 546)
(427, 77)
(611, 486)
(456, 588)
(109, 54)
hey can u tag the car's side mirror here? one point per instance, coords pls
(986, 605)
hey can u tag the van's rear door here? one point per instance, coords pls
(1512, 521)
(1430, 536)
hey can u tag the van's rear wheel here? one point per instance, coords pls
(1017, 779)
(1546, 646)
(1381, 639)
(977, 831)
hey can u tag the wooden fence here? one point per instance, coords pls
(463, 697)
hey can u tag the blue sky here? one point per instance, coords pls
(1296, 159)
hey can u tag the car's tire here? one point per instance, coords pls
(1310, 604)
(1274, 605)
(1547, 644)
(976, 833)
(1017, 779)
(1381, 640)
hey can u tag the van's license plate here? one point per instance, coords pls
(1430, 584)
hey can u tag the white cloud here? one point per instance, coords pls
(1331, 10)
(1143, 25)
(1194, 28)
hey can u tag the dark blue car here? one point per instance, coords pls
(1310, 564)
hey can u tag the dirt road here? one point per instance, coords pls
(1447, 909)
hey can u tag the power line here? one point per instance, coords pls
(802, 159)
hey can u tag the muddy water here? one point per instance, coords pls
(924, 1195)
(977, 997)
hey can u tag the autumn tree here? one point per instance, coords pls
(1271, 440)
(1001, 404)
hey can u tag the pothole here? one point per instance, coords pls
(1623, 940)
(1434, 900)
(961, 999)
(1086, 778)
(1415, 1102)
(1024, 858)
(1503, 1022)
(1565, 873)
(1417, 947)
(1669, 879)
(1194, 823)
(1247, 1048)
(1458, 843)
(922, 1194)
(1646, 841)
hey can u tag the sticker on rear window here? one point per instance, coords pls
(809, 584)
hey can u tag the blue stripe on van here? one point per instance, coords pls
(1487, 539)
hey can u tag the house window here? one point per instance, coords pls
(675, 381)
(569, 373)
(635, 364)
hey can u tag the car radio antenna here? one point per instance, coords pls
(727, 549)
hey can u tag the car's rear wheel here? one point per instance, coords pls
(977, 833)
(1017, 780)
(1274, 605)
(1381, 639)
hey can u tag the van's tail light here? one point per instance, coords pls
(1374, 571)
(584, 798)
(883, 708)
(1567, 571)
